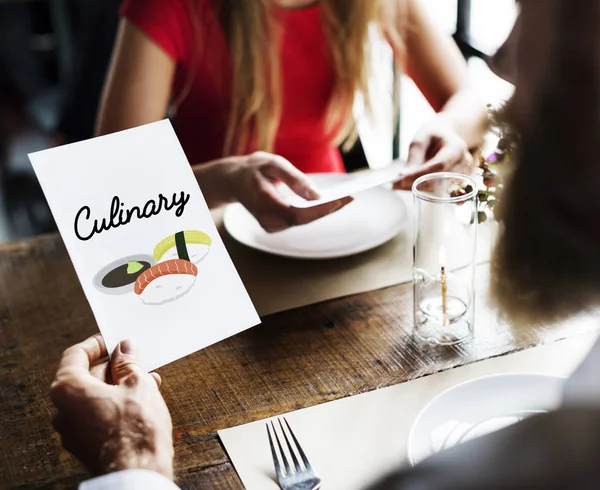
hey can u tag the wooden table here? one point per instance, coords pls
(294, 359)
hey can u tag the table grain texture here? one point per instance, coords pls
(293, 360)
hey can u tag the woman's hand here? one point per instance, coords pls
(436, 147)
(111, 416)
(253, 181)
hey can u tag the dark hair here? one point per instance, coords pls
(546, 265)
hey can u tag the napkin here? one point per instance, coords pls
(354, 441)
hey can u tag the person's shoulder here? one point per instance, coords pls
(155, 8)
(167, 22)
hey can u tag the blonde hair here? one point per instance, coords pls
(546, 264)
(252, 35)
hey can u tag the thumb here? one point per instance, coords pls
(125, 365)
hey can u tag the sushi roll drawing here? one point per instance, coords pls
(166, 281)
(192, 245)
(175, 272)
(165, 276)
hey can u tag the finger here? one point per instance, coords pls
(281, 169)
(403, 184)
(307, 215)
(125, 366)
(100, 371)
(79, 357)
(157, 378)
(448, 156)
(274, 224)
(270, 199)
(273, 213)
(417, 151)
(277, 215)
(407, 181)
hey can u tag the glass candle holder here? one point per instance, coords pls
(444, 257)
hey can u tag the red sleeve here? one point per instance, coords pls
(166, 22)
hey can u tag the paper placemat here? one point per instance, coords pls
(277, 283)
(354, 441)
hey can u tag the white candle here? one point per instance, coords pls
(442, 259)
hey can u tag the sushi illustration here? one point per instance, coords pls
(166, 281)
(119, 276)
(196, 244)
(165, 276)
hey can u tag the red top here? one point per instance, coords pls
(201, 121)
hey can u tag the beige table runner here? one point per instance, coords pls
(356, 440)
(277, 284)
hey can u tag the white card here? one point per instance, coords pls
(143, 243)
(362, 181)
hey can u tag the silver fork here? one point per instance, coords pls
(296, 476)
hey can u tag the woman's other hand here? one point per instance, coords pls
(436, 147)
(111, 416)
(253, 180)
(434, 62)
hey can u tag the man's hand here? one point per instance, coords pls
(111, 427)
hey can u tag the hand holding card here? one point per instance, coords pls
(258, 181)
(143, 243)
(362, 181)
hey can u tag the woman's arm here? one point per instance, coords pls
(138, 86)
(434, 62)
(436, 65)
(138, 90)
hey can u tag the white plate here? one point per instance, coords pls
(478, 407)
(373, 218)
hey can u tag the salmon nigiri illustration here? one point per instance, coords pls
(169, 273)
(166, 281)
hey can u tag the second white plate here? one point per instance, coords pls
(478, 407)
(373, 218)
